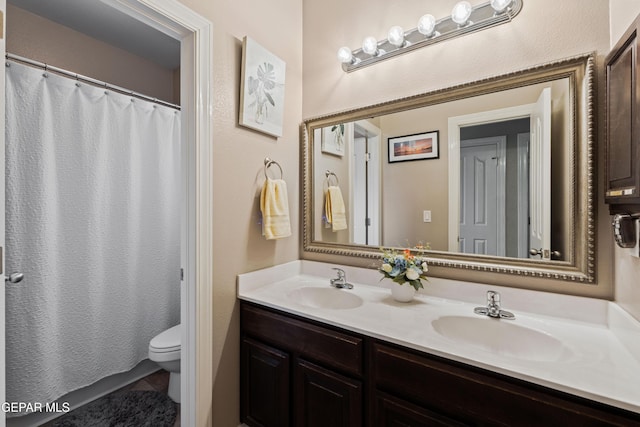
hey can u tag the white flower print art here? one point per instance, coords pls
(262, 89)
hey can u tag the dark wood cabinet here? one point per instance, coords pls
(325, 398)
(622, 164)
(472, 396)
(265, 384)
(299, 372)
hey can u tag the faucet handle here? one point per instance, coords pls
(493, 298)
(341, 273)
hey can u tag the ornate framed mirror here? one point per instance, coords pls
(501, 177)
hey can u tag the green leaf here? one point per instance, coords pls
(271, 101)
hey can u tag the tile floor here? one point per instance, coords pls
(158, 381)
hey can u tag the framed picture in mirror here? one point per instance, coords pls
(333, 139)
(419, 146)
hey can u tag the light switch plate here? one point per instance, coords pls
(426, 216)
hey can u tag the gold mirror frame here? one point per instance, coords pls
(581, 264)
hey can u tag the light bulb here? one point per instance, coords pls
(427, 25)
(344, 55)
(396, 36)
(500, 5)
(370, 46)
(461, 13)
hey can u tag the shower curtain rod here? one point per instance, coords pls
(88, 80)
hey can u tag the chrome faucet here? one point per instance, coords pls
(493, 308)
(341, 281)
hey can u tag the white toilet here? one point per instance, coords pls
(164, 349)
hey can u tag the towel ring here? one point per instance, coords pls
(330, 174)
(268, 163)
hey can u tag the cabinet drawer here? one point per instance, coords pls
(323, 345)
(323, 398)
(390, 411)
(481, 397)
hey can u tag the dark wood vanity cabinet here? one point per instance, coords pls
(443, 392)
(622, 164)
(297, 372)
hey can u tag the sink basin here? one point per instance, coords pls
(504, 337)
(332, 298)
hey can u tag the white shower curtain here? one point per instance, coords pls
(93, 222)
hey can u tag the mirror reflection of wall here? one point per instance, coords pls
(386, 202)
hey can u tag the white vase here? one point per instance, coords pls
(402, 293)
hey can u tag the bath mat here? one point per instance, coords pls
(135, 408)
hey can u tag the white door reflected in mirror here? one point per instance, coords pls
(540, 177)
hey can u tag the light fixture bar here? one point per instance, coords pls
(482, 16)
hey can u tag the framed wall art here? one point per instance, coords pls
(414, 147)
(261, 89)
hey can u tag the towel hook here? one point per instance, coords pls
(328, 174)
(268, 163)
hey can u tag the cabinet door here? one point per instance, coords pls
(324, 398)
(393, 412)
(265, 385)
(623, 121)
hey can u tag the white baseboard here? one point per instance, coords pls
(87, 394)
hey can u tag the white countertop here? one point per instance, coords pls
(602, 361)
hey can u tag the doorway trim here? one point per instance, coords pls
(375, 174)
(196, 36)
(454, 125)
(523, 194)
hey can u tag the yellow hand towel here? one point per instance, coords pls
(334, 209)
(274, 205)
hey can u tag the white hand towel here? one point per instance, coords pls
(274, 205)
(335, 210)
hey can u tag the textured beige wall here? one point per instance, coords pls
(545, 30)
(36, 38)
(621, 14)
(238, 155)
(627, 268)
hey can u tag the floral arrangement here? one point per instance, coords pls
(404, 267)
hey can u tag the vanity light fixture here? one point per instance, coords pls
(370, 46)
(461, 13)
(427, 25)
(464, 19)
(396, 36)
(500, 5)
(345, 56)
